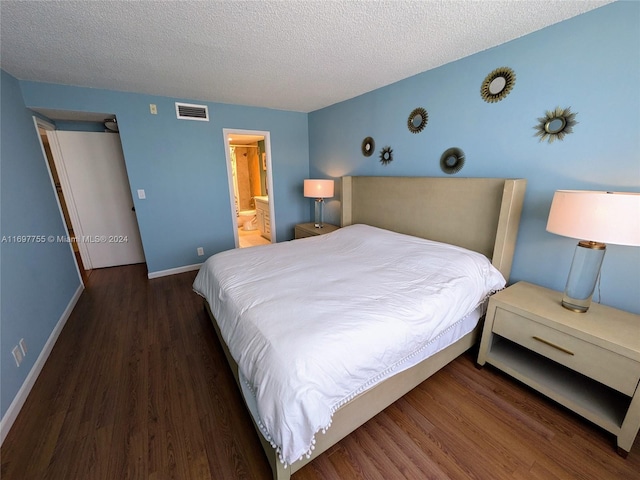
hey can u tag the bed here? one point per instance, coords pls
(472, 219)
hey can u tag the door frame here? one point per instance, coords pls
(50, 130)
(226, 132)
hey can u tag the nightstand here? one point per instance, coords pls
(304, 230)
(588, 362)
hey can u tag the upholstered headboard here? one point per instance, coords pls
(481, 214)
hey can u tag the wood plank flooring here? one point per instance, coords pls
(137, 387)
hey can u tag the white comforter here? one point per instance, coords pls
(313, 322)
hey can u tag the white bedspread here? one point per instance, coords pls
(314, 322)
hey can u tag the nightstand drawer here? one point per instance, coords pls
(618, 372)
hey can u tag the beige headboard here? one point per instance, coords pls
(481, 214)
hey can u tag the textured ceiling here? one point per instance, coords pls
(289, 55)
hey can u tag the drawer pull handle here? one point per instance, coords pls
(547, 342)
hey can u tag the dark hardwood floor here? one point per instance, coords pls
(137, 387)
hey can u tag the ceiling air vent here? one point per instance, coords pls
(188, 111)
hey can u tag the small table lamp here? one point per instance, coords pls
(595, 218)
(318, 189)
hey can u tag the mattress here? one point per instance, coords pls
(314, 322)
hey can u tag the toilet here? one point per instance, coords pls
(247, 219)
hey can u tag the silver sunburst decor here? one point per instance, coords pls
(368, 145)
(386, 155)
(555, 124)
(452, 160)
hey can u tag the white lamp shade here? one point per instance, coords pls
(605, 217)
(318, 188)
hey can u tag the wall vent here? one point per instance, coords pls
(188, 111)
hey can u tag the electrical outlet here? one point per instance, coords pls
(153, 109)
(17, 355)
(23, 347)
(141, 194)
(200, 251)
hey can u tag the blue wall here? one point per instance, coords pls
(38, 280)
(181, 166)
(590, 63)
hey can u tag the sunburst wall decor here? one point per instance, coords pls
(555, 124)
(497, 84)
(417, 120)
(452, 160)
(386, 155)
(368, 146)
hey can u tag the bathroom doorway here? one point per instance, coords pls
(248, 157)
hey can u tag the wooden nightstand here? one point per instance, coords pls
(304, 230)
(588, 362)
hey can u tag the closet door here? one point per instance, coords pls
(106, 227)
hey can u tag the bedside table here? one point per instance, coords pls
(588, 362)
(304, 230)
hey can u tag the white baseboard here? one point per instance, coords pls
(173, 271)
(15, 407)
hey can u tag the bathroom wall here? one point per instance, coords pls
(243, 178)
(263, 171)
(248, 172)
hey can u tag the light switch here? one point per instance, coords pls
(153, 109)
(141, 194)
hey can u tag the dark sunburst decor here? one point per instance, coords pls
(368, 146)
(417, 120)
(555, 124)
(452, 160)
(497, 84)
(386, 155)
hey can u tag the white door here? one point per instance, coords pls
(106, 227)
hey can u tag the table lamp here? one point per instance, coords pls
(595, 218)
(318, 189)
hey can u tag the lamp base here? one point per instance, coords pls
(318, 223)
(583, 276)
(575, 305)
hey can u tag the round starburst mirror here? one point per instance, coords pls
(368, 146)
(452, 160)
(386, 155)
(417, 120)
(555, 124)
(497, 84)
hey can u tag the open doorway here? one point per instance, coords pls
(248, 157)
